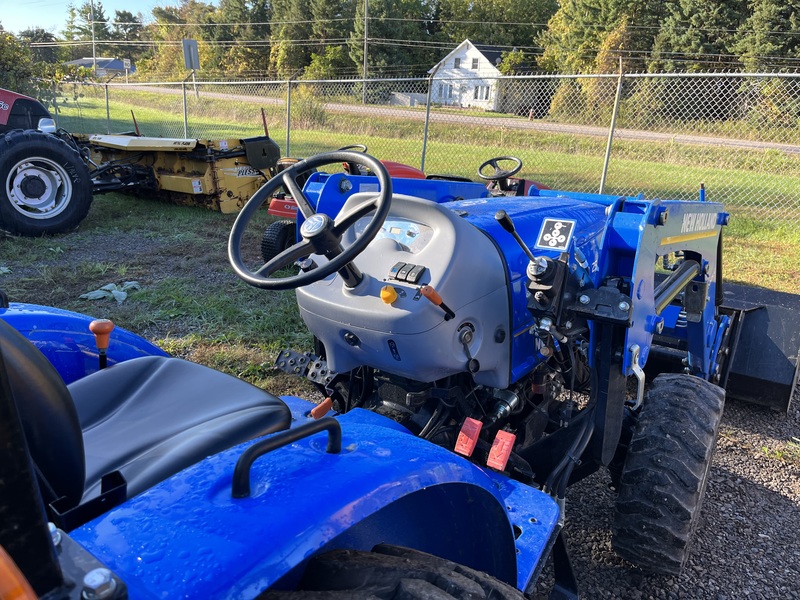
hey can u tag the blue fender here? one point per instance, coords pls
(63, 336)
(188, 538)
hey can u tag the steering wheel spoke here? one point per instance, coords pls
(290, 183)
(287, 257)
(346, 220)
(321, 234)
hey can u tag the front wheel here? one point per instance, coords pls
(277, 237)
(390, 572)
(46, 185)
(665, 473)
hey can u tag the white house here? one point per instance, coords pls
(467, 77)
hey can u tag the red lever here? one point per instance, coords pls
(102, 328)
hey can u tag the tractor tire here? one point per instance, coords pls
(392, 573)
(278, 236)
(665, 473)
(46, 185)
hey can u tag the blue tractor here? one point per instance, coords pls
(475, 357)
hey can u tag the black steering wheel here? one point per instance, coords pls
(499, 173)
(321, 234)
(352, 168)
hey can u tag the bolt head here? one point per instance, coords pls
(99, 584)
(583, 299)
(624, 306)
(539, 266)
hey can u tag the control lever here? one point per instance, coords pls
(506, 223)
(102, 328)
(432, 295)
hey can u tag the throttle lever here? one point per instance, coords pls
(506, 223)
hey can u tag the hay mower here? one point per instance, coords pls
(475, 357)
(50, 176)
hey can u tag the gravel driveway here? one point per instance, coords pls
(747, 544)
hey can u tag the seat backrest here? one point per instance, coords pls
(48, 415)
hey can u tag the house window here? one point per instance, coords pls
(480, 92)
(474, 64)
(456, 63)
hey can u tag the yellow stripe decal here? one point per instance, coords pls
(677, 239)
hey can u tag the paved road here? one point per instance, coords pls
(374, 111)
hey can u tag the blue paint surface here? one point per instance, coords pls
(64, 338)
(187, 538)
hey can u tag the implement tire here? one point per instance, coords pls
(666, 470)
(392, 572)
(46, 185)
(278, 236)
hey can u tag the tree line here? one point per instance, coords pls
(320, 39)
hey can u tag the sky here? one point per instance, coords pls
(51, 15)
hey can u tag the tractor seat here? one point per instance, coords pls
(147, 418)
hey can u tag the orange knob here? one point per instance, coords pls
(431, 294)
(101, 328)
(321, 409)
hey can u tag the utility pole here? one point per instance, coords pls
(366, 37)
(94, 51)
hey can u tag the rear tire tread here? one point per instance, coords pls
(393, 573)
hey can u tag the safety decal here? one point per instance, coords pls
(556, 234)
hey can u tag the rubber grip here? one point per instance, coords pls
(431, 294)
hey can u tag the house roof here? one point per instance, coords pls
(109, 64)
(493, 54)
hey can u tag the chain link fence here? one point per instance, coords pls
(661, 135)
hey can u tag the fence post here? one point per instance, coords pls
(108, 110)
(611, 129)
(55, 103)
(288, 114)
(185, 107)
(427, 120)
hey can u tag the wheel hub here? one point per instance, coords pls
(33, 187)
(39, 188)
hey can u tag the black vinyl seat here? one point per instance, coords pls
(147, 418)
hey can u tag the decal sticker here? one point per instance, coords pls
(3, 105)
(394, 351)
(368, 187)
(223, 144)
(693, 222)
(197, 186)
(243, 171)
(556, 234)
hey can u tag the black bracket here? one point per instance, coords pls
(113, 492)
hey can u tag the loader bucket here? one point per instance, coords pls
(764, 344)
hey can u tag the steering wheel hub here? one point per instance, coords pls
(314, 225)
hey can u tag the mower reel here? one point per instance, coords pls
(321, 234)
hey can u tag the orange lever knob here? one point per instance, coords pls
(101, 328)
(431, 294)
